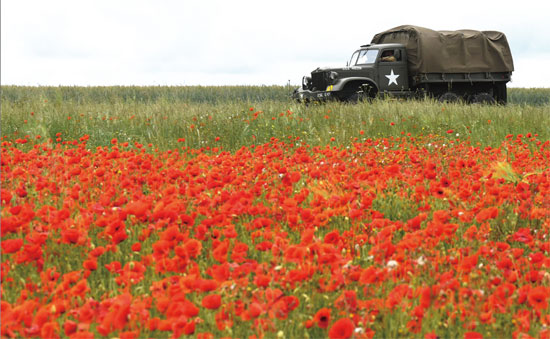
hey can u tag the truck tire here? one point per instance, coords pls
(483, 98)
(448, 97)
(363, 92)
(349, 94)
(356, 97)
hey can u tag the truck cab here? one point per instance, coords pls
(371, 70)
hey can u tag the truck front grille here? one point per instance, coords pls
(318, 80)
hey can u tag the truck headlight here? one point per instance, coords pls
(333, 76)
(306, 81)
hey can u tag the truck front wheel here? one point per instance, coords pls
(356, 97)
(364, 92)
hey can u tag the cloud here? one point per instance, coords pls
(220, 42)
(535, 71)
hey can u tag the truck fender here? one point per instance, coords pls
(358, 81)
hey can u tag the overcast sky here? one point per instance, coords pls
(210, 42)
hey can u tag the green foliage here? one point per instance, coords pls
(529, 96)
(144, 94)
(232, 117)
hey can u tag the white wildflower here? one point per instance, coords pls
(392, 264)
(421, 260)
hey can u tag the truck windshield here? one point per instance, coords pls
(367, 56)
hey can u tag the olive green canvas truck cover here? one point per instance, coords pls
(462, 51)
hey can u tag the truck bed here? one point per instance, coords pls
(462, 51)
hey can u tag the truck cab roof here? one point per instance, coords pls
(382, 46)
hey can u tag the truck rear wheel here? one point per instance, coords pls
(449, 97)
(483, 98)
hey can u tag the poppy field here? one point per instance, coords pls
(268, 220)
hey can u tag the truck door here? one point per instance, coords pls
(392, 70)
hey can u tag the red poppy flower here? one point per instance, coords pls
(332, 237)
(11, 245)
(137, 208)
(468, 263)
(473, 335)
(322, 317)
(70, 236)
(205, 335)
(189, 309)
(486, 214)
(431, 335)
(537, 298)
(254, 310)
(347, 301)
(21, 191)
(6, 196)
(206, 285)
(262, 280)
(414, 326)
(220, 252)
(189, 328)
(193, 248)
(341, 329)
(69, 327)
(212, 301)
(90, 265)
(425, 297)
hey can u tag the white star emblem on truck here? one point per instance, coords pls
(392, 78)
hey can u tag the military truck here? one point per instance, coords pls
(414, 62)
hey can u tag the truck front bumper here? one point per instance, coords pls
(304, 95)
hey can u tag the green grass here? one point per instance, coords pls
(198, 116)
